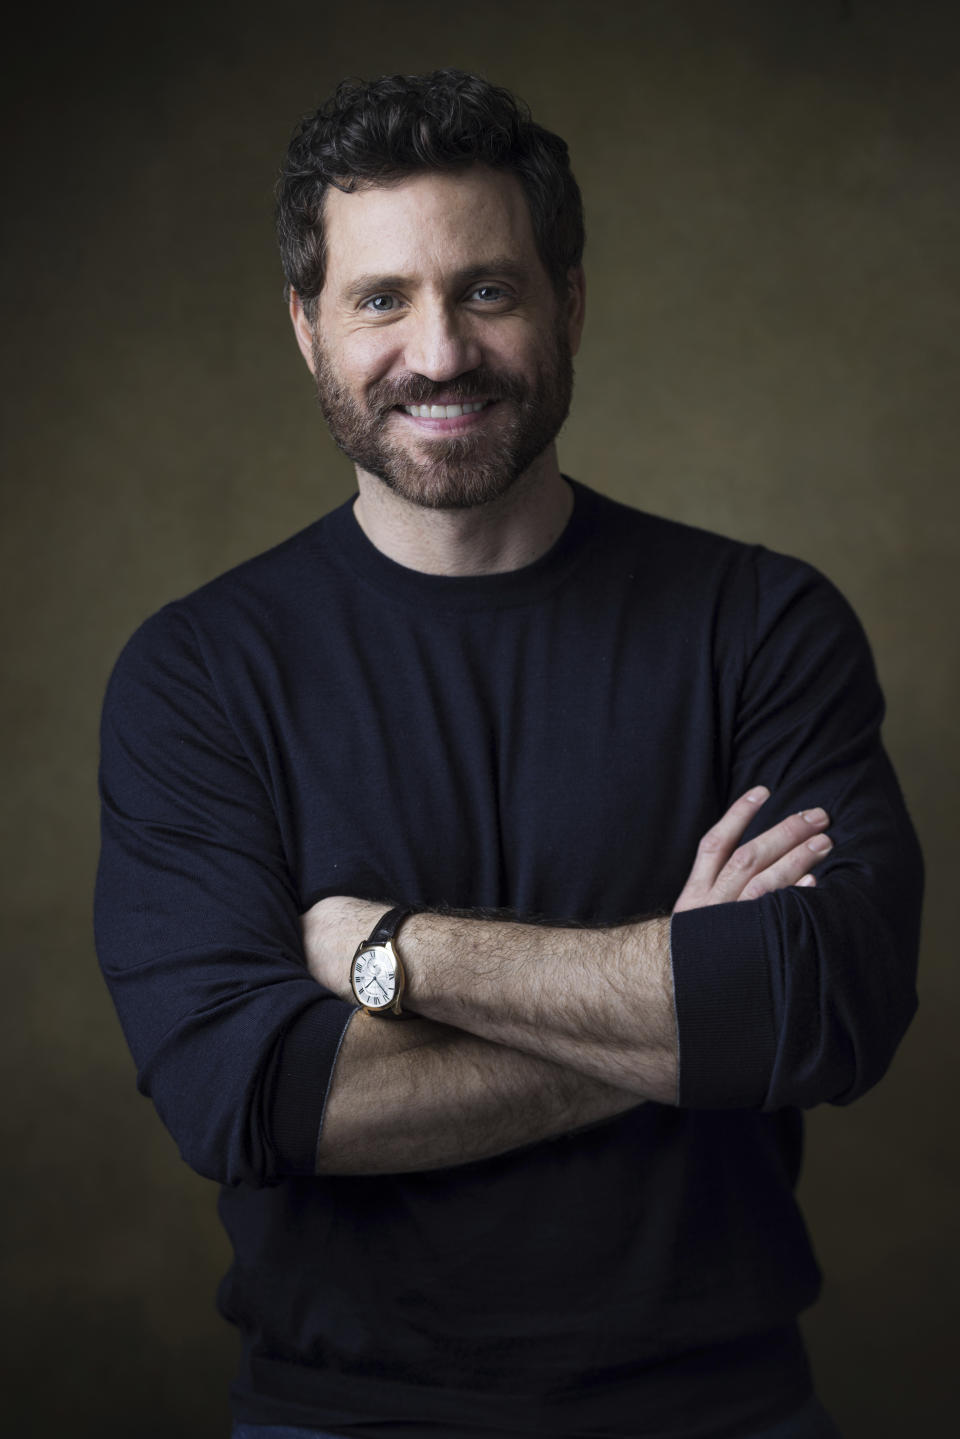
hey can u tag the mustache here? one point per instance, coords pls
(419, 390)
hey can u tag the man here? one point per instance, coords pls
(457, 889)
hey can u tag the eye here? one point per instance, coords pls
(379, 304)
(490, 293)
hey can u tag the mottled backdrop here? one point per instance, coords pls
(771, 351)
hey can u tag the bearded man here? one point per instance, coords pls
(457, 890)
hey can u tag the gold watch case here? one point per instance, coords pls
(385, 961)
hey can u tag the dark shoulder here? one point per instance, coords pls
(755, 586)
(267, 577)
(628, 527)
(253, 602)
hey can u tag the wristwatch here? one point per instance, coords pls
(376, 973)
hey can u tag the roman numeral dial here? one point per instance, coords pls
(375, 977)
(376, 972)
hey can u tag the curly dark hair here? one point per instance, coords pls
(374, 132)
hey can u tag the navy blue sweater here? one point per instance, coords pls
(552, 741)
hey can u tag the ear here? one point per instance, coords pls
(576, 306)
(303, 329)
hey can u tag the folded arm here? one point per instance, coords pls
(417, 1095)
(598, 1002)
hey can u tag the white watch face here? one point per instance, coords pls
(375, 977)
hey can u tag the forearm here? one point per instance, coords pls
(413, 1094)
(598, 1001)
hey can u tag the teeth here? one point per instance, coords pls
(443, 412)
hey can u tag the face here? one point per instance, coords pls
(435, 297)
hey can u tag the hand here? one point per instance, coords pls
(331, 929)
(781, 856)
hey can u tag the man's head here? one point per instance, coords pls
(431, 236)
(387, 129)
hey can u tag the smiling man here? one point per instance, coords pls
(457, 888)
(495, 325)
(471, 300)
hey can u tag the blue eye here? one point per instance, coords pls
(490, 292)
(378, 309)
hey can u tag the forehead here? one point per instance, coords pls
(426, 224)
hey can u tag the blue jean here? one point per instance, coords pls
(810, 1421)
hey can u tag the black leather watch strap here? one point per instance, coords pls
(388, 926)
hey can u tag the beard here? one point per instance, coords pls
(451, 472)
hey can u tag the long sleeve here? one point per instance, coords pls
(197, 921)
(802, 997)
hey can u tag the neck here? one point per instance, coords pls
(505, 534)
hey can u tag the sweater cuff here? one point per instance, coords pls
(302, 1075)
(725, 1022)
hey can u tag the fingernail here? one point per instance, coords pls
(815, 816)
(821, 844)
(758, 795)
(806, 883)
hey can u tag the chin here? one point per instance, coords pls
(463, 491)
(457, 481)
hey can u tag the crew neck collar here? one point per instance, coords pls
(348, 544)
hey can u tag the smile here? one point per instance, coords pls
(441, 420)
(443, 412)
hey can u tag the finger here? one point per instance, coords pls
(793, 868)
(719, 842)
(766, 849)
(808, 882)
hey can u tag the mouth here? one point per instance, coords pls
(446, 419)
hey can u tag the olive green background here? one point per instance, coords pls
(771, 351)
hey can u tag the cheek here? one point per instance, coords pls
(370, 355)
(525, 349)
(355, 359)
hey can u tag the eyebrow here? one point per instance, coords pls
(501, 265)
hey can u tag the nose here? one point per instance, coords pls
(440, 344)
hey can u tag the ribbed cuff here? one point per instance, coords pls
(724, 1006)
(304, 1069)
